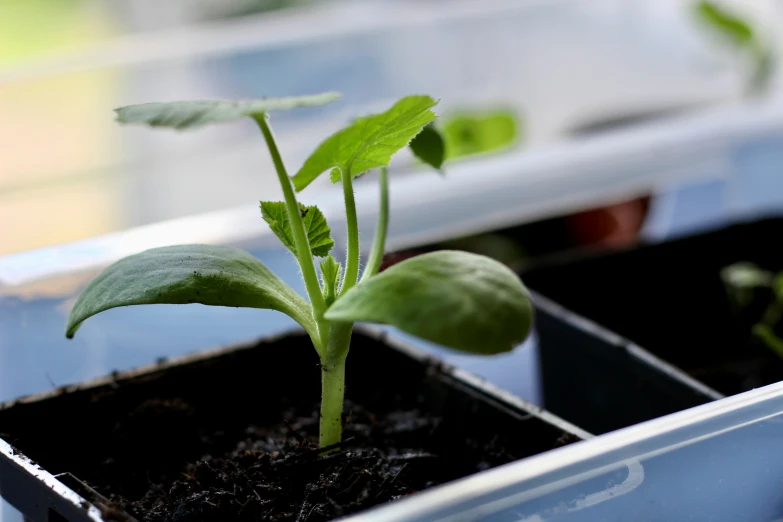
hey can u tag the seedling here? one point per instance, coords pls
(757, 293)
(457, 299)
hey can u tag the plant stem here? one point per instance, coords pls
(333, 384)
(379, 242)
(352, 255)
(303, 254)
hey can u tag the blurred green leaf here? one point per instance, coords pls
(182, 115)
(726, 23)
(469, 133)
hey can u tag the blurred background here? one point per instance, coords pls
(564, 70)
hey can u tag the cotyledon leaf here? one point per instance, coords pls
(457, 299)
(207, 274)
(369, 142)
(183, 115)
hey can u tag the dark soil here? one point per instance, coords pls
(278, 473)
(210, 441)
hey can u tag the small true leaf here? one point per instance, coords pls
(460, 300)
(428, 146)
(369, 142)
(197, 113)
(330, 278)
(318, 233)
(207, 274)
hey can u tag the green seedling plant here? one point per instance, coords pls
(457, 299)
(749, 286)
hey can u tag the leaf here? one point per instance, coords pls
(726, 23)
(207, 274)
(318, 233)
(471, 133)
(764, 70)
(330, 278)
(428, 146)
(769, 338)
(746, 275)
(369, 142)
(197, 113)
(457, 299)
(741, 281)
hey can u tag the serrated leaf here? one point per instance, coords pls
(318, 233)
(726, 23)
(429, 146)
(460, 300)
(197, 113)
(330, 278)
(207, 274)
(369, 142)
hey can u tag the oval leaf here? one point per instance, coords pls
(369, 142)
(207, 274)
(470, 133)
(744, 275)
(460, 300)
(197, 113)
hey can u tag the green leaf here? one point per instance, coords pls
(206, 274)
(318, 233)
(729, 25)
(777, 286)
(741, 281)
(469, 133)
(457, 299)
(765, 68)
(369, 142)
(769, 338)
(428, 146)
(746, 275)
(197, 113)
(330, 278)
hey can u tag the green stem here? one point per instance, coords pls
(303, 254)
(333, 384)
(379, 242)
(352, 256)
